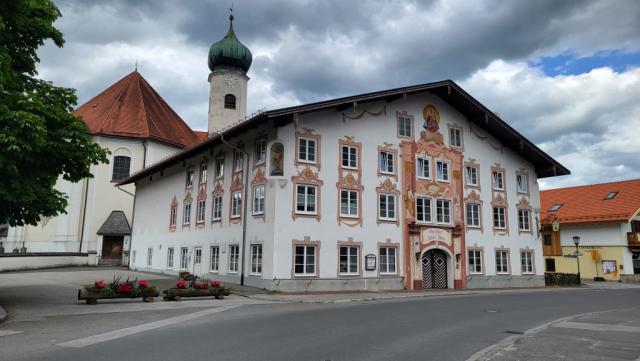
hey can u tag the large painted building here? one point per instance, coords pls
(138, 127)
(414, 187)
(606, 217)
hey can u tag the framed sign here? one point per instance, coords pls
(609, 266)
(370, 262)
(555, 225)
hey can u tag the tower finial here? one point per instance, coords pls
(231, 14)
(136, 69)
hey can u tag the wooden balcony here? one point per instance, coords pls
(633, 239)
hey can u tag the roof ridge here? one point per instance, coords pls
(592, 185)
(144, 105)
(122, 91)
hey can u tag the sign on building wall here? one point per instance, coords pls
(436, 234)
(370, 262)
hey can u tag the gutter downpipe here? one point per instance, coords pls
(84, 212)
(244, 203)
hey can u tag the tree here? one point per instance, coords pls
(40, 140)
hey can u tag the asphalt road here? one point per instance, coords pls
(431, 328)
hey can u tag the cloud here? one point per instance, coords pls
(588, 121)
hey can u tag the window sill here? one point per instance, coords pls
(304, 275)
(307, 162)
(423, 178)
(388, 173)
(443, 180)
(349, 216)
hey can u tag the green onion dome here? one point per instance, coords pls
(229, 52)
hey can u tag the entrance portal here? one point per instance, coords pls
(434, 269)
(112, 248)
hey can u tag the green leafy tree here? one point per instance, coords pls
(40, 140)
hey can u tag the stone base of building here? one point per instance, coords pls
(337, 284)
(505, 281)
(630, 278)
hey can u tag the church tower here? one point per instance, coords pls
(229, 62)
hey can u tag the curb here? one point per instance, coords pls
(3, 314)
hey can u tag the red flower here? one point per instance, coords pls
(216, 283)
(124, 288)
(143, 283)
(182, 284)
(100, 284)
(202, 286)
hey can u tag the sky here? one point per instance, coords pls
(565, 74)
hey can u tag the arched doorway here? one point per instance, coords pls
(434, 269)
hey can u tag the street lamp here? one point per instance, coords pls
(576, 241)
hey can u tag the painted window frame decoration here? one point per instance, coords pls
(430, 203)
(419, 173)
(472, 164)
(404, 114)
(532, 260)
(350, 244)
(173, 214)
(388, 149)
(203, 175)
(473, 270)
(448, 173)
(351, 196)
(219, 166)
(349, 180)
(236, 188)
(523, 205)
(188, 182)
(259, 180)
(457, 127)
(258, 151)
(473, 199)
(508, 258)
(306, 177)
(235, 203)
(499, 201)
(389, 245)
(309, 134)
(496, 168)
(186, 214)
(218, 192)
(390, 189)
(524, 174)
(201, 212)
(306, 242)
(238, 160)
(258, 201)
(449, 213)
(351, 157)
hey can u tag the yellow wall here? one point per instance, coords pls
(588, 265)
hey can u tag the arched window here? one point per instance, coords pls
(229, 101)
(121, 167)
(276, 160)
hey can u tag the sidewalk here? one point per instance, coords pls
(598, 336)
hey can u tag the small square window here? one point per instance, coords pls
(555, 207)
(611, 195)
(455, 137)
(405, 127)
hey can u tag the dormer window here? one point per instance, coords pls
(555, 207)
(611, 195)
(230, 101)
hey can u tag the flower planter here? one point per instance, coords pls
(117, 289)
(174, 294)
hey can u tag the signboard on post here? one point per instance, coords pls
(370, 262)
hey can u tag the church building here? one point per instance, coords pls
(408, 188)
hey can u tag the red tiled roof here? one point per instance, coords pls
(132, 108)
(201, 135)
(587, 203)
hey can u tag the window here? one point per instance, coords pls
(526, 261)
(234, 258)
(524, 221)
(499, 219)
(349, 260)
(261, 151)
(197, 258)
(184, 258)
(404, 127)
(189, 180)
(387, 206)
(149, 256)
(521, 179)
(502, 262)
(471, 176)
(349, 156)
(442, 171)
(237, 160)
(203, 173)
(388, 260)
(498, 180)
(170, 258)
(230, 101)
(473, 214)
(306, 150)
(258, 199)
(121, 167)
(200, 211)
(455, 137)
(550, 264)
(256, 259)
(423, 209)
(386, 163)
(475, 261)
(174, 216)
(305, 261)
(186, 217)
(216, 210)
(220, 167)
(348, 203)
(611, 195)
(547, 240)
(424, 168)
(215, 258)
(443, 211)
(306, 199)
(236, 204)
(555, 207)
